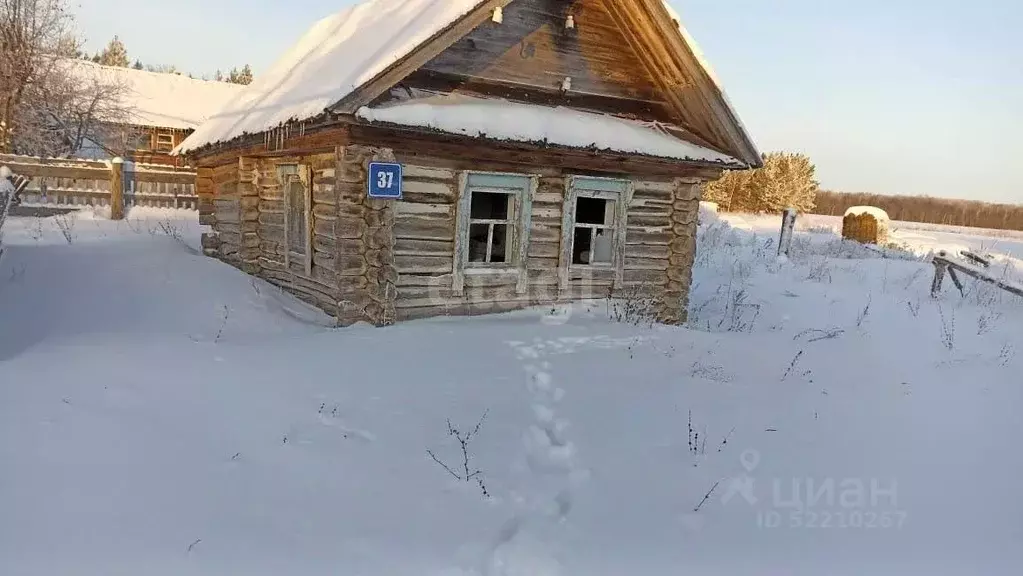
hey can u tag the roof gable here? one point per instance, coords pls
(533, 48)
(347, 60)
(338, 55)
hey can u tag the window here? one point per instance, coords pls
(164, 140)
(489, 227)
(594, 227)
(593, 224)
(493, 226)
(294, 182)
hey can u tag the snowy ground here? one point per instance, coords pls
(164, 414)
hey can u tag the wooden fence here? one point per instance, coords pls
(76, 182)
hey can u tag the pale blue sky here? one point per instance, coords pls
(889, 96)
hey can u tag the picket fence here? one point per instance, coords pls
(80, 182)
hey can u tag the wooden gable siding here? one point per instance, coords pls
(528, 56)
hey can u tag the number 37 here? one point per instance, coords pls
(385, 180)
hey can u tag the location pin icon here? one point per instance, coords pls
(750, 459)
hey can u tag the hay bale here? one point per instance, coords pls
(866, 224)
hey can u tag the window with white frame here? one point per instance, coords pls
(593, 222)
(493, 225)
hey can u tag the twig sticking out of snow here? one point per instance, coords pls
(862, 316)
(948, 328)
(792, 366)
(223, 324)
(819, 335)
(707, 496)
(193, 545)
(464, 439)
(724, 441)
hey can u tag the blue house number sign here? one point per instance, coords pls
(385, 180)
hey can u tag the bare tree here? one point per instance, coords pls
(51, 102)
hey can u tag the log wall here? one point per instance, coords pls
(424, 231)
(380, 261)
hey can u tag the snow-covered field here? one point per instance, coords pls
(164, 414)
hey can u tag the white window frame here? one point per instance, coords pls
(286, 175)
(521, 188)
(618, 190)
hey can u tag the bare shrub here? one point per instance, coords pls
(986, 321)
(66, 224)
(134, 225)
(36, 230)
(739, 315)
(914, 308)
(467, 472)
(1006, 354)
(632, 306)
(948, 328)
(820, 270)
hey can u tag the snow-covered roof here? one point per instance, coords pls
(874, 211)
(709, 70)
(512, 121)
(337, 56)
(161, 99)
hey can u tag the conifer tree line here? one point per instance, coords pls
(116, 54)
(788, 180)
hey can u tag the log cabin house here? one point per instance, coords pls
(155, 111)
(543, 150)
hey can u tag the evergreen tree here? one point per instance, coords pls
(245, 76)
(786, 180)
(137, 65)
(115, 54)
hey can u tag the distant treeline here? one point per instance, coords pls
(970, 213)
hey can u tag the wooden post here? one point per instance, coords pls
(788, 223)
(117, 189)
(939, 276)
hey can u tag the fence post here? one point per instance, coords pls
(788, 222)
(117, 189)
